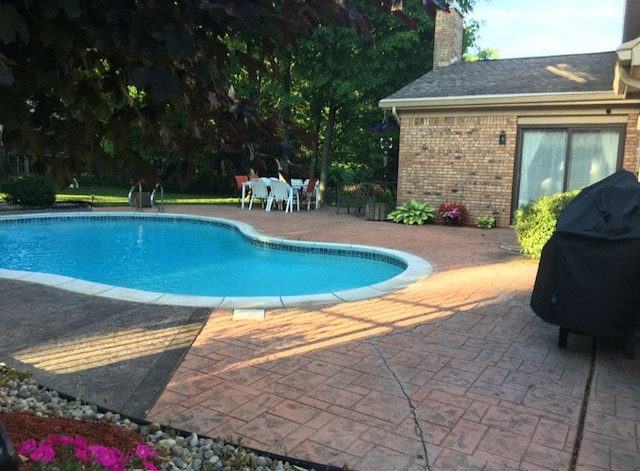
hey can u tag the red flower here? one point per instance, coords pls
(453, 212)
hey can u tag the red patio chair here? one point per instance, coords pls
(310, 193)
(240, 180)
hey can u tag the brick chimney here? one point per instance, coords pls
(447, 47)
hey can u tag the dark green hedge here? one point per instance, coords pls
(536, 222)
(32, 191)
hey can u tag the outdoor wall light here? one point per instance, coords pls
(502, 139)
(386, 143)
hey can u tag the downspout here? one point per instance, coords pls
(394, 112)
(623, 76)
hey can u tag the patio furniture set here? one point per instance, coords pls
(273, 192)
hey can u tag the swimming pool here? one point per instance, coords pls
(178, 260)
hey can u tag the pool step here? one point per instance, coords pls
(248, 314)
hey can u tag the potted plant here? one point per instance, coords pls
(454, 214)
(380, 205)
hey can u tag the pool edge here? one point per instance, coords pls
(416, 269)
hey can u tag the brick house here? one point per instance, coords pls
(494, 135)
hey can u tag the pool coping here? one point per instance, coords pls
(416, 269)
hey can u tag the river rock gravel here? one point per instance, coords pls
(19, 392)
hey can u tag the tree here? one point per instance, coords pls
(343, 75)
(472, 29)
(77, 75)
(141, 88)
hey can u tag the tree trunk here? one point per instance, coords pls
(285, 112)
(316, 146)
(326, 149)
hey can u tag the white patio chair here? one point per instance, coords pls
(258, 190)
(281, 192)
(297, 184)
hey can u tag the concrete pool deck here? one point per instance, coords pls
(452, 373)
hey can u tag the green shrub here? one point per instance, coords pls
(412, 212)
(536, 221)
(33, 191)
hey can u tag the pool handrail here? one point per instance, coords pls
(153, 197)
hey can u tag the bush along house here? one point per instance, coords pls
(494, 135)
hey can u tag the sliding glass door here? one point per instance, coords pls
(564, 159)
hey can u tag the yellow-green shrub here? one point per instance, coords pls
(535, 222)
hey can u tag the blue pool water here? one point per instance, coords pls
(200, 256)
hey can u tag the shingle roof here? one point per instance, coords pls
(576, 73)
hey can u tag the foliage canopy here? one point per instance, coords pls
(156, 89)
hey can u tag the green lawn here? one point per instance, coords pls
(109, 196)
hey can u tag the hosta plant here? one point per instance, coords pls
(412, 212)
(485, 222)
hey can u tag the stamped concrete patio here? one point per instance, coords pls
(452, 373)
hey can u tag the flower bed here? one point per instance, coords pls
(70, 453)
(30, 412)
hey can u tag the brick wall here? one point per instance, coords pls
(631, 159)
(458, 159)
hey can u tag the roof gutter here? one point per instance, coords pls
(484, 100)
(628, 80)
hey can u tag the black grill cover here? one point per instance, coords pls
(589, 274)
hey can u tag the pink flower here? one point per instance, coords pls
(143, 451)
(87, 456)
(63, 439)
(117, 466)
(81, 453)
(44, 453)
(27, 447)
(105, 456)
(455, 211)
